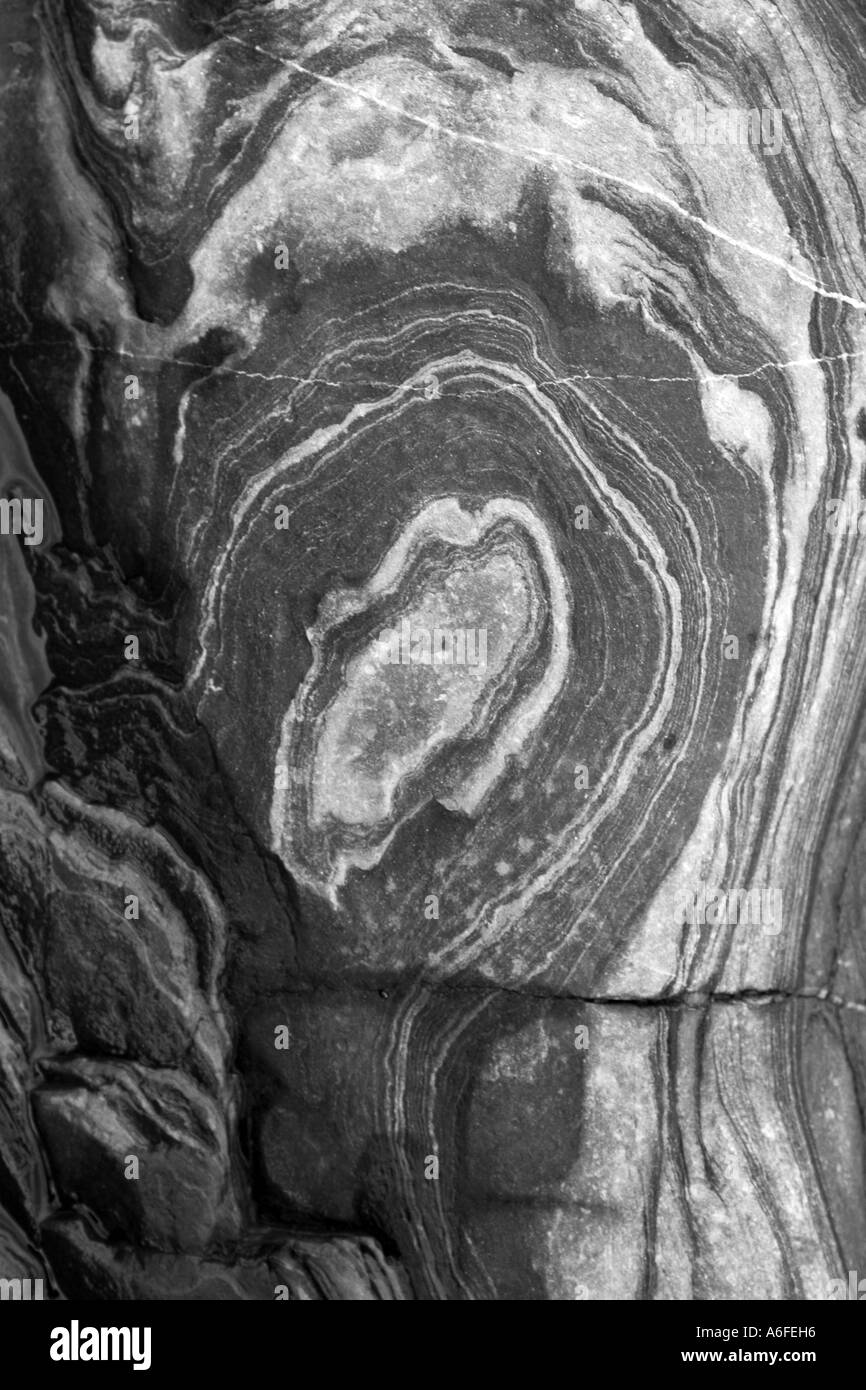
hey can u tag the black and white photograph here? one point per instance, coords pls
(433, 662)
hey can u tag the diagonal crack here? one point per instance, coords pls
(535, 153)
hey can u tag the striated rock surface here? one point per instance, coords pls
(431, 723)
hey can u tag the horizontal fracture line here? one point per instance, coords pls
(695, 999)
(490, 390)
(373, 382)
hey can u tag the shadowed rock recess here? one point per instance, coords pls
(432, 771)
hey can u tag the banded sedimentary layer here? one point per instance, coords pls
(525, 962)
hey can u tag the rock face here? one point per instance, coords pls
(431, 777)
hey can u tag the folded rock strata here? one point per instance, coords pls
(541, 977)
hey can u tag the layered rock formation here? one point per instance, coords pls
(432, 788)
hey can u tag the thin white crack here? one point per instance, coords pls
(375, 383)
(422, 389)
(535, 153)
